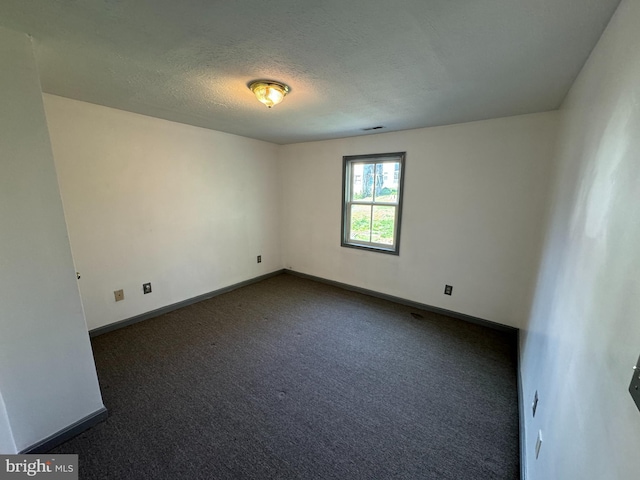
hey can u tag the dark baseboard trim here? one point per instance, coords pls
(521, 414)
(409, 303)
(67, 433)
(174, 306)
(422, 306)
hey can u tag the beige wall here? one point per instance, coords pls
(47, 375)
(147, 200)
(474, 198)
(583, 336)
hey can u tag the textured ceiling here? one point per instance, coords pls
(351, 65)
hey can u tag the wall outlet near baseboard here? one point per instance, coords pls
(259, 258)
(634, 386)
(534, 405)
(119, 294)
(146, 288)
(448, 289)
(538, 443)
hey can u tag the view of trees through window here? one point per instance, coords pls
(372, 202)
(374, 223)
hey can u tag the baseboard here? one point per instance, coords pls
(521, 417)
(410, 303)
(170, 308)
(67, 433)
(175, 306)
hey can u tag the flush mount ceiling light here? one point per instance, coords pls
(268, 92)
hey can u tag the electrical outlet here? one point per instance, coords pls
(534, 405)
(146, 288)
(538, 443)
(634, 386)
(119, 294)
(448, 290)
(259, 258)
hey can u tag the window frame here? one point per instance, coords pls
(347, 168)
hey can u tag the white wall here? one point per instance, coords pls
(47, 375)
(7, 445)
(473, 210)
(148, 200)
(584, 333)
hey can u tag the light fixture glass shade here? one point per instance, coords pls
(269, 93)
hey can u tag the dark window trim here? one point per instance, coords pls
(346, 160)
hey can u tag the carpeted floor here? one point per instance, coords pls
(293, 379)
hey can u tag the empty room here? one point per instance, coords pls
(320, 240)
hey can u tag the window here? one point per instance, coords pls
(372, 201)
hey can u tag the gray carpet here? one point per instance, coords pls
(293, 379)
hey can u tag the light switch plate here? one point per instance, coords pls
(634, 387)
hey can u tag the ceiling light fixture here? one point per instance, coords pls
(268, 92)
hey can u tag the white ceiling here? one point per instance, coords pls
(351, 64)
